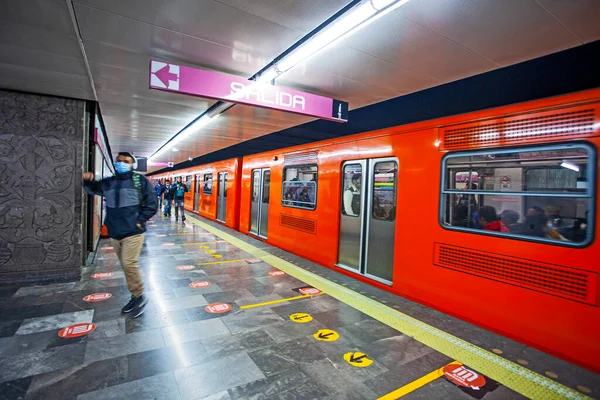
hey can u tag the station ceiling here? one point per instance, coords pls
(421, 45)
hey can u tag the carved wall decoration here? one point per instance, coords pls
(41, 149)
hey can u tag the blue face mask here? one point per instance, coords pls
(122, 167)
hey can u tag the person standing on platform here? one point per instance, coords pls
(158, 188)
(130, 203)
(180, 191)
(168, 198)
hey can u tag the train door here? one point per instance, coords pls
(222, 197)
(259, 213)
(197, 193)
(368, 217)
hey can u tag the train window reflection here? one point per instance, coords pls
(208, 181)
(351, 201)
(299, 188)
(384, 191)
(540, 194)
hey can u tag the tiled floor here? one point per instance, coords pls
(178, 350)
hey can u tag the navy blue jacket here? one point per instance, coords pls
(123, 207)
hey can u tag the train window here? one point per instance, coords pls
(188, 181)
(299, 187)
(208, 182)
(542, 194)
(351, 200)
(384, 191)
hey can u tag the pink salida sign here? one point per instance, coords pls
(234, 89)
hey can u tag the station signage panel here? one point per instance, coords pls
(234, 89)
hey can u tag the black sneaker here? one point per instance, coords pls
(183, 220)
(140, 306)
(129, 306)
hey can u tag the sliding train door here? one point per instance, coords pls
(368, 218)
(259, 212)
(222, 197)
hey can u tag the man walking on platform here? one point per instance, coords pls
(130, 203)
(180, 190)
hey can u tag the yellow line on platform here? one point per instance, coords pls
(266, 303)
(195, 243)
(507, 373)
(414, 385)
(220, 262)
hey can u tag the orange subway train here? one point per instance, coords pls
(488, 216)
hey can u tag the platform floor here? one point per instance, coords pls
(273, 342)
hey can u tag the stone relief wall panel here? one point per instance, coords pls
(41, 149)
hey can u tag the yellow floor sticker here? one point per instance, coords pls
(506, 372)
(301, 318)
(220, 262)
(326, 335)
(211, 251)
(358, 359)
(204, 247)
(217, 256)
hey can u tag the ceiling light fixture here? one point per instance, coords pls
(363, 14)
(350, 21)
(568, 165)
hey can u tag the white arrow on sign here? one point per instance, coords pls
(163, 75)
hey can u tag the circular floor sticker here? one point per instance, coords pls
(463, 376)
(96, 297)
(217, 256)
(309, 291)
(76, 330)
(186, 267)
(106, 248)
(102, 275)
(276, 273)
(168, 244)
(199, 284)
(358, 359)
(301, 317)
(211, 251)
(217, 308)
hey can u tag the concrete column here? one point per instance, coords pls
(41, 200)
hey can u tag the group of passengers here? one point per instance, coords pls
(169, 194)
(538, 222)
(298, 194)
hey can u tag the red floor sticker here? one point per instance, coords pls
(76, 330)
(96, 297)
(253, 260)
(276, 273)
(309, 291)
(218, 308)
(106, 248)
(469, 380)
(186, 267)
(102, 275)
(168, 244)
(199, 284)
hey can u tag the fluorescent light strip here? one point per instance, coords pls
(568, 165)
(353, 20)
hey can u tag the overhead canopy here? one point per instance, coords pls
(418, 46)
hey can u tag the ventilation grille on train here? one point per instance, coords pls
(552, 279)
(306, 157)
(299, 224)
(515, 130)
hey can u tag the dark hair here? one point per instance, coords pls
(355, 177)
(537, 210)
(126, 154)
(510, 216)
(488, 213)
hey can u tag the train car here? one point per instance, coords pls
(488, 216)
(214, 190)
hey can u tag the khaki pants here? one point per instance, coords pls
(128, 250)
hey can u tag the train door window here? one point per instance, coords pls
(266, 190)
(299, 188)
(539, 194)
(208, 184)
(384, 191)
(351, 198)
(259, 210)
